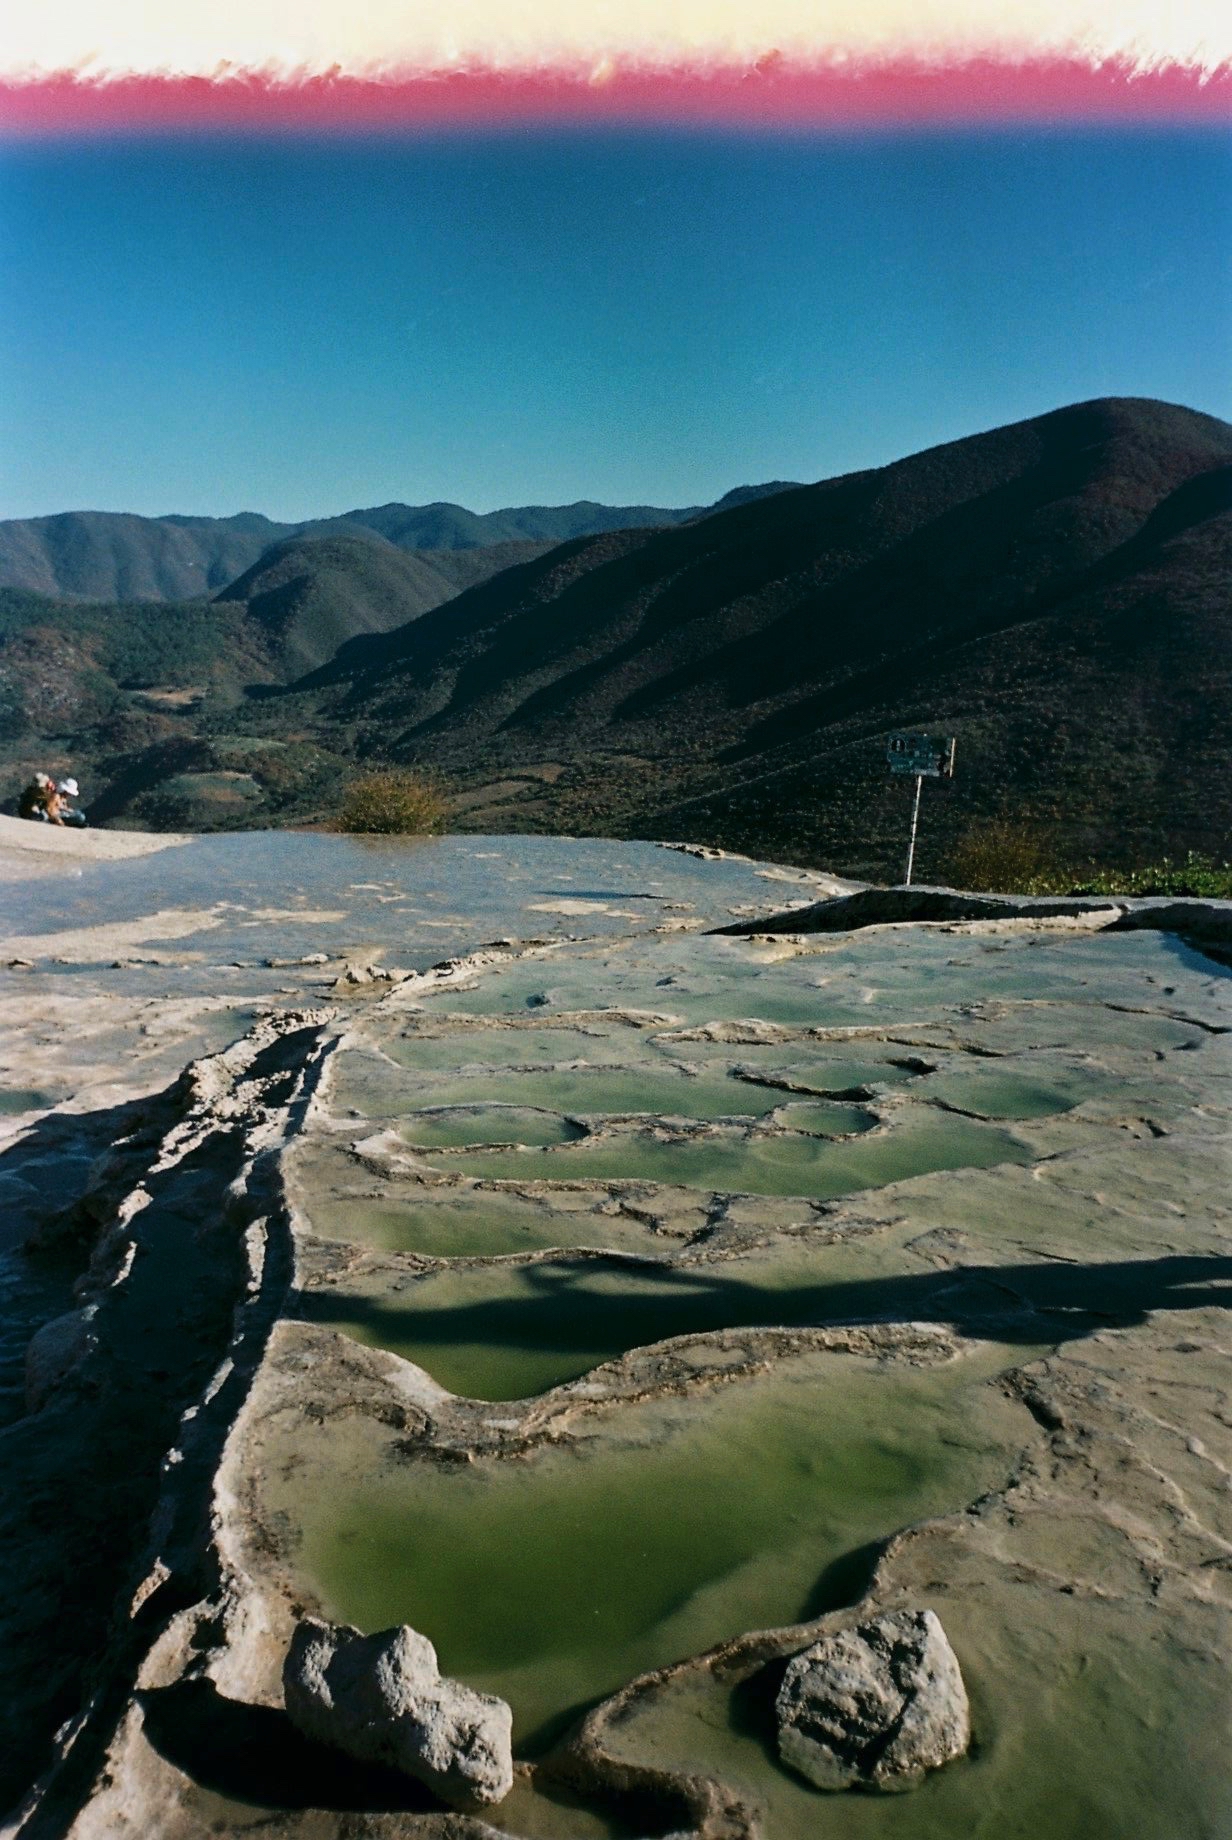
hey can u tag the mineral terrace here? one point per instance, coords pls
(472, 1237)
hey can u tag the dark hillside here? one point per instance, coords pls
(1054, 592)
(309, 595)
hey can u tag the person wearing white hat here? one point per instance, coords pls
(69, 814)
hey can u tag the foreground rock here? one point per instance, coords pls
(1207, 924)
(875, 1706)
(51, 841)
(382, 1699)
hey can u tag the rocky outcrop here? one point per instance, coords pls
(903, 906)
(1207, 923)
(382, 1699)
(58, 1347)
(875, 1706)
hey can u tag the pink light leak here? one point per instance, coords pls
(771, 95)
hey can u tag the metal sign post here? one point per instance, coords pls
(924, 757)
(915, 819)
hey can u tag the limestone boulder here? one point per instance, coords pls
(875, 1706)
(382, 1699)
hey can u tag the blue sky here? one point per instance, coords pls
(299, 327)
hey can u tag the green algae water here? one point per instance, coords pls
(735, 1163)
(16, 1100)
(488, 1124)
(622, 1091)
(666, 1527)
(474, 1048)
(1015, 1094)
(824, 1118)
(483, 1225)
(370, 1086)
(465, 1126)
(1076, 1734)
(507, 1331)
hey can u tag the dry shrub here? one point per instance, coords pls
(394, 802)
(997, 857)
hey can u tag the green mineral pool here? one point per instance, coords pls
(370, 1086)
(463, 1126)
(527, 1046)
(457, 1126)
(443, 1224)
(738, 991)
(734, 1162)
(507, 1330)
(622, 1091)
(1013, 1093)
(15, 1100)
(663, 1529)
(1078, 1732)
(835, 1068)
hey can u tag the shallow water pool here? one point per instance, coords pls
(737, 1163)
(1076, 1735)
(553, 1579)
(508, 1330)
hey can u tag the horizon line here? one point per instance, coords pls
(772, 94)
(623, 504)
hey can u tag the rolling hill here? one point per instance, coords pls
(1054, 593)
(309, 594)
(142, 695)
(113, 556)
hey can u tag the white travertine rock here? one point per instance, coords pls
(382, 1699)
(875, 1706)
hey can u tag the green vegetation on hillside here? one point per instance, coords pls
(134, 645)
(1199, 876)
(1001, 857)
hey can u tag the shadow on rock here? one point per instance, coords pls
(565, 1310)
(254, 1754)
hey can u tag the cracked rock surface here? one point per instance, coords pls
(631, 1311)
(875, 1706)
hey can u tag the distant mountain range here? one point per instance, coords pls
(113, 556)
(1053, 593)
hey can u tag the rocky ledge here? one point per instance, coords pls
(689, 1338)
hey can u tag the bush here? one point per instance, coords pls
(1002, 858)
(1197, 875)
(393, 802)
(997, 857)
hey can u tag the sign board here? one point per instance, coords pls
(924, 756)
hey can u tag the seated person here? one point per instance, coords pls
(34, 799)
(69, 814)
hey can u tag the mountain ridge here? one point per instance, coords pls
(1031, 578)
(1053, 593)
(121, 556)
